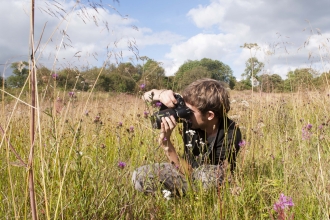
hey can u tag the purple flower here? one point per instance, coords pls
(242, 143)
(306, 133)
(120, 124)
(71, 94)
(165, 139)
(146, 114)
(121, 164)
(158, 104)
(142, 86)
(283, 203)
(54, 76)
(131, 129)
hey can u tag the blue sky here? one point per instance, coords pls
(290, 33)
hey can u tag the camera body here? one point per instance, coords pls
(179, 111)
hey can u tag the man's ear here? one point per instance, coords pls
(210, 115)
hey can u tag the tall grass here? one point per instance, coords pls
(77, 173)
(81, 138)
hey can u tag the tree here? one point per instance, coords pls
(2, 82)
(210, 68)
(252, 68)
(153, 75)
(194, 74)
(299, 79)
(20, 74)
(271, 83)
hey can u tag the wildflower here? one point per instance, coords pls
(121, 164)
(167, 194)
(120, 124)
(103, 146)
(158, 104)
(55, 76)
(189, 145)
(71, 94)
(242, 143)
(86, 112)
(142, 86)
(191, 132)
(146, 114)
(283, 203)
(306, 134)
(97, 119)
(164, 139)
(131, 128)
(245, 104)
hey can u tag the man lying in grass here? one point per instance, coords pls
(209, 136)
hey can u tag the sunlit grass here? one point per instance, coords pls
(77, 173)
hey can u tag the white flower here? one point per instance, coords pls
(245, 104)
(191, 132)
(167, 194)
(189, 145)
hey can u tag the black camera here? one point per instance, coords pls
(179, 111)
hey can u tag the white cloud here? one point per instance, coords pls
(274, 26)
(85, 37)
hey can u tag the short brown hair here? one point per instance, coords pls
(208, 95)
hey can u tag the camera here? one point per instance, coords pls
(179, 111)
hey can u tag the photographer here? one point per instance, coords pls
(209, 137)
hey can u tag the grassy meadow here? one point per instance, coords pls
(88, 145)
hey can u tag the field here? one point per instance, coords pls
(87, 148)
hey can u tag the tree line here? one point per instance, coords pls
(126, 77)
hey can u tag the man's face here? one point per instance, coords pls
(197, 119)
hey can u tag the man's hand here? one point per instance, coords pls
(166, 128)
(167, 98)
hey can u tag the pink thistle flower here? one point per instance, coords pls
(242, 143)
(71, 94)
(131, 128)
(121, 164)
(55, 76)
(146, 114)
(142, 86)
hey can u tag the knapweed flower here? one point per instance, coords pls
(306, 133)
(158, 104)
(120, 124)
(242, 143)
(142, 86)
(71, 94)
(97, 119)
(131, 128)
(55, 76)
(146, 114)
(283, 203)
(121, 164)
